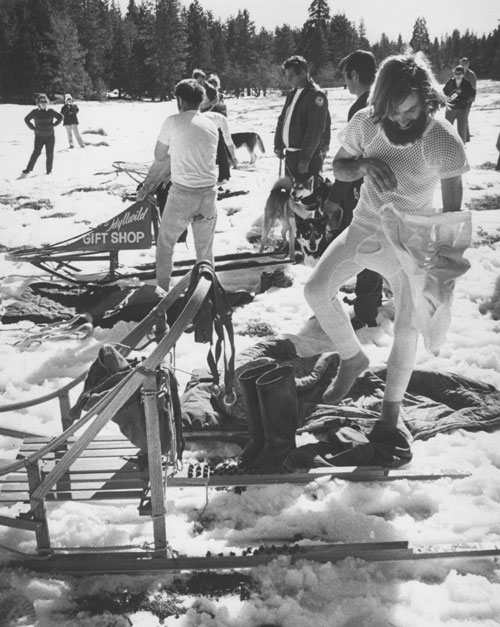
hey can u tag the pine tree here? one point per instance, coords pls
(199, 45)
(343, 38)
(167, 59)
(265, 72)
(363, 42)
(285, 43)
(420, 39)
(315, 34)
(70, 76)
(218, 38)
(33, 54)
(241, 49)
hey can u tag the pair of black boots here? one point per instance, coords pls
(270, 400)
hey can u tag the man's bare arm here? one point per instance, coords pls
(451, 193)
(347, 168)
(159, 172)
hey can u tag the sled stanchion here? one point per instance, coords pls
(124, 390)
(64, 406)
(158, 511)
(38, 512)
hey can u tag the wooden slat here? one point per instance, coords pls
(19, 523)
(83, 564)
(124, 390)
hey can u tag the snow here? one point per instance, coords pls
(351, 593)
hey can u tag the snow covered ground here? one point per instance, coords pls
(350, 593)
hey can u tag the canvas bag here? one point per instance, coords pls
(105, 373)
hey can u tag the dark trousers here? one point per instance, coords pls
(461, 116)
(222, 159)
(368, 297)
(368, 283)
(40, 142)
(292, 165)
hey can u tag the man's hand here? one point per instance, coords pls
(379, 173)
(142, 193)
(280, 153)
(334, 214)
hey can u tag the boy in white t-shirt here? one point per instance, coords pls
(188, 140)
(403, 152)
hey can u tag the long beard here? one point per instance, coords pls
(400, 136)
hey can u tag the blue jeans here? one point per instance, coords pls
(185, 205)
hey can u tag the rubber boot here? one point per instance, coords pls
(256, 440)
(280, 279)
(279, 411)
(266, 281)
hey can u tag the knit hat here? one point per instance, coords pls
(67, 97)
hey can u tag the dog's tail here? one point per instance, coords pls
(260, 143)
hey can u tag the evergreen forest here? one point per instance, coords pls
(91, 48)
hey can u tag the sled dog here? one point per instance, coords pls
(312, 237)
(250, 141)
(289, 199)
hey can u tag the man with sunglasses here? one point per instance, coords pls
(42, 121)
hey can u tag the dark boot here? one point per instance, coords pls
(256, 440)
(266, 281)
(279, 411)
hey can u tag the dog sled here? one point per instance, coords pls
(135, 228)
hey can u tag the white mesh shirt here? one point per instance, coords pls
(418, 167)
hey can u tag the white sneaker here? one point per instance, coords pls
(23, 175)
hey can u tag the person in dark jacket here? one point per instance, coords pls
(69, 112)
(460, 95)
(358, 70)
(303, 131)
(42, 121)
(215, 102)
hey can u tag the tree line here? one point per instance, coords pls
(89, 48)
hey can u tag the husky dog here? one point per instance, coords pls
(250, 141)
(312, 237)
(286, 200)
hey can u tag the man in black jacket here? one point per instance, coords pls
(42, 121)
(303, 129)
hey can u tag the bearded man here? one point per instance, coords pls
(402, 151)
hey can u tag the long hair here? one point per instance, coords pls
(400, 76)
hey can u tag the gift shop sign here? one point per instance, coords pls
(131, 229)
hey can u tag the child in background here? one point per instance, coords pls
(69, 112)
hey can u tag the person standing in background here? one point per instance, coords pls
(472, 78)
(303, 131)
(358, 70)
(69, 112)
(460, 95)
(42, 121)
(226, 149)
(215, 102)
